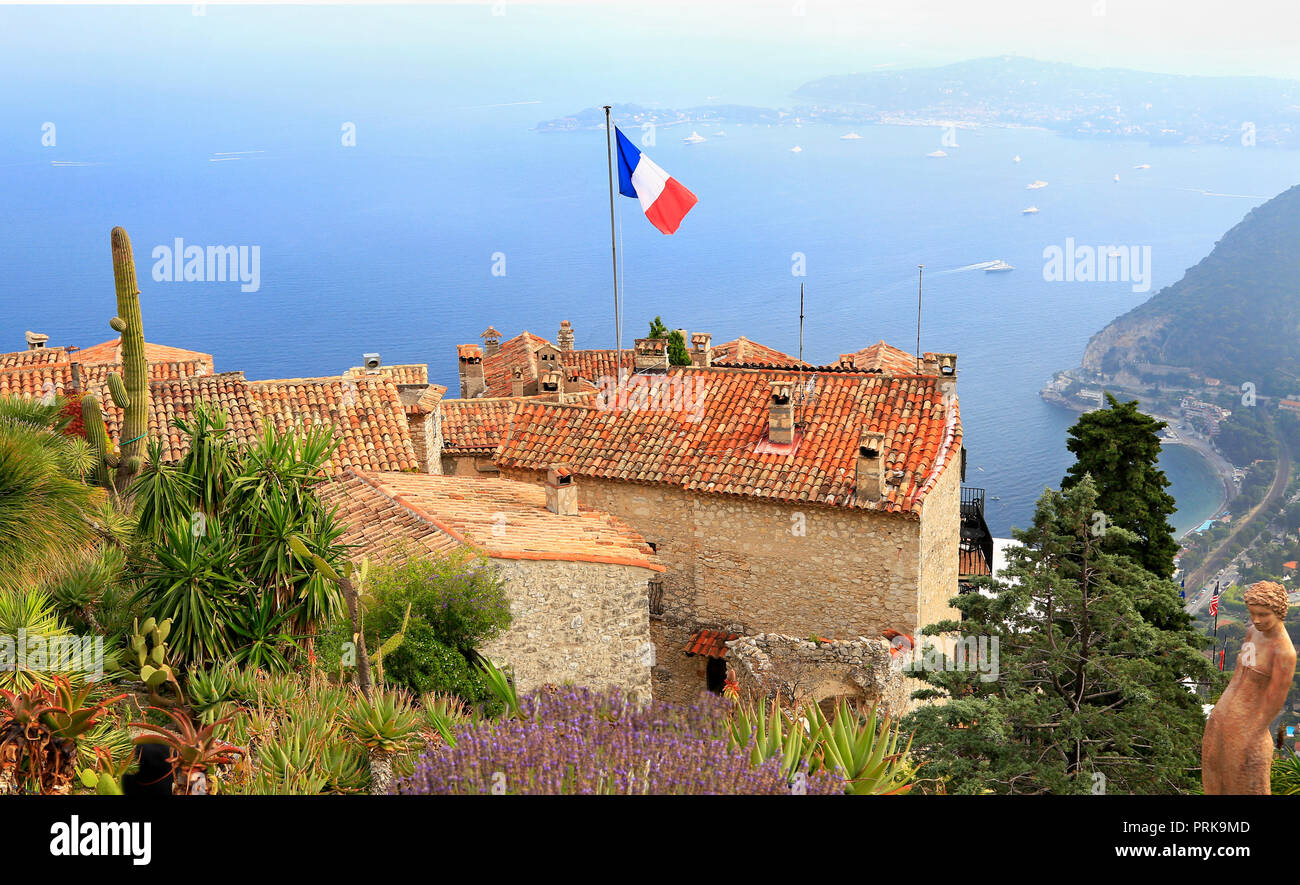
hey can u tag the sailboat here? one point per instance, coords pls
(937, 154)
(1035, 185)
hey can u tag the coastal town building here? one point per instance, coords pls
(576, 577)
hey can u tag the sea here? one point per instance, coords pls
(449, 212)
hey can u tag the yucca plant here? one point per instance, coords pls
(862, 748)
(385, 724)
(502, 687)
(1286, 775)
(194, 751)
(263, 635)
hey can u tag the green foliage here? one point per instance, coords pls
(385, 722)
(657, 329)
(1247, 435)
(1118, 447)
(1286, 775)
(1085, 684)
(678, 355)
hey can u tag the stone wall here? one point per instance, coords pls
(940, 539)
(426, 437)
(468, 465)
(753, 566)
(772, 665)
(579, 622)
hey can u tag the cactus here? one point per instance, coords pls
(149, 644)
(130, 394)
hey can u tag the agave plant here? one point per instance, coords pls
(264, 636)
(39, 731)
(768, 732)
(503, 687)
(863, 748)
(385, 724)
(194, 751)
(1286, 775)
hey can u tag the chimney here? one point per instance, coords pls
(491, 341)
(871, 466)
(650, 353)
(947, 364)
(847, 361)
(565, 337)
(780, 422)
(517, 382)
(371, 362)
(471, 370)
(561, 492)
(551, 381)
(700, 350)
(36, 340)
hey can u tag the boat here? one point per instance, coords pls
(1037, 183)
(937, 154)
(796, 150)
(694, 138)
(852, 136)
(1016, 159)
(998, 266)
(1032, 210)
(1117, 178)
(1142, 166)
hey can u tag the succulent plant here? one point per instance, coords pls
(148, 643)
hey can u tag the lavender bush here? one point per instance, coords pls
(576, 741)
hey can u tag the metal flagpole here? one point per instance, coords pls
(613, 244)
(920, 271)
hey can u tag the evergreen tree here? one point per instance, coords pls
(678, 355)
(1088, 695)
(657, 329)
(1118, 447)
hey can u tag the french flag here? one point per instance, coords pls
(663, 199)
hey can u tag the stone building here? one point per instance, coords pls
(576, 577)
(812, 502)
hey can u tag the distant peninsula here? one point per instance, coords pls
(1016, 92)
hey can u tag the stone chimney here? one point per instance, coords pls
(491, 340)
(471, 370)
(701, 344)
(871, 466)
(561, 492)
(551, 382)
(371, 362)
(939, 364)
(650, 353)
(517, 382)
(780, 422)
(565, 337)
(36, 340)
(846, 361)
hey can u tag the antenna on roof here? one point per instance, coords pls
(920, 271)
(802, 397)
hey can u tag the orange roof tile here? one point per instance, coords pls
(518, 352)
(366, 413)
(475, 426)
(36, 380)
(376, 524)
(886, 358)
(408, 373)
(710, 643)
(503, 518)
(750, 353)
(175, 398)
(111, 352)
(41, 356)
(712, 443)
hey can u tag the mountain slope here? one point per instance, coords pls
(1235, 315)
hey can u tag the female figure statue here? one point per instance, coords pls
(1237, 750)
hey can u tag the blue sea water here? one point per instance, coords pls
(390, 245)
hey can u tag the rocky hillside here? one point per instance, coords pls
(1234, 316)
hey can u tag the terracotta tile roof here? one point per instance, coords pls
(42, 356)
(710, 643)
(469, 351)
(421, 399)
(971, 563)
(712, 446)
(885, 357)
(36, 380)
(503, 518)
(517, 352)
(592, 365)
(366, 413)
(408, 373)
(377, 525)
(111, 352)
(751, 353)
(476, 426)
(175, 398)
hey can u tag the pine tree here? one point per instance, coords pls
(1089, 696)
(678, 355)
(657, 329)
(1119, 447)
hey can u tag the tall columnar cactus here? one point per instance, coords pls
(131, 395)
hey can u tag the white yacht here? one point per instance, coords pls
(1032, 210)
(694, 138)
(1142, 166)
(937, 154)
(998, 266)
(1036, 185)
(1117, 178)
(1016, 159)
(796, 150)
(852, 136)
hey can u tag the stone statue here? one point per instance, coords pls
(1237, 750)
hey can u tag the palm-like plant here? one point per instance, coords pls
(194, 751)
(1286, 775)
(263, 635)
(862, 747)
(385, 724)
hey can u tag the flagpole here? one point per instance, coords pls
(613, 246)
(920, 274)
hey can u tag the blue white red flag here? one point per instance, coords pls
(663, 198)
